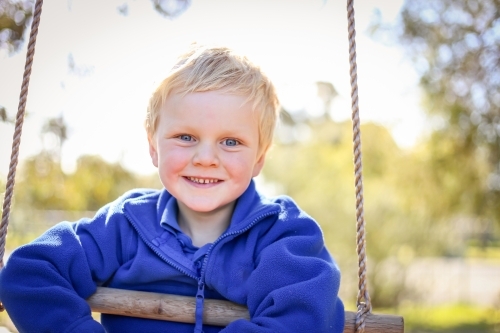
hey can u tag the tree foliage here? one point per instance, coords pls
(455, 44)
(43, 185)
(15, 16)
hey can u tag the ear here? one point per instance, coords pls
(153, 152)
(259, 164)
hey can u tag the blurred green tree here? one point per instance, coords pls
(455, 45)
(96, 182)
(15, 16)
(40, 183)
(43, 185)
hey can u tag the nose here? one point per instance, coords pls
(206, 155)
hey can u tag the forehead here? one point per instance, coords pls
(210, 108)
(213, 103)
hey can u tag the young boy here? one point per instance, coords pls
(208, 233)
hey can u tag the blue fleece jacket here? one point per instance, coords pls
(271, 259)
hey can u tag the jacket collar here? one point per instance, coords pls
(146, 212)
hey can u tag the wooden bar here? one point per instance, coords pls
(215, 312)
(375, 323)
(163, 306)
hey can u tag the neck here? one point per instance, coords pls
(204, 227)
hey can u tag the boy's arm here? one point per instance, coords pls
(294, 287)
(44, 284)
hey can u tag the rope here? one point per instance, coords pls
(363, 302)
(9, 187)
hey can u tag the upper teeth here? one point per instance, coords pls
(202, 181)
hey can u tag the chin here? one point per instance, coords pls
(206, 208)
(200, 206)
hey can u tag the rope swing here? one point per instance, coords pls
(363, 302)
(216, 312)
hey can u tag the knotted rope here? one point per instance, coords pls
(16, 142)
(363, 301)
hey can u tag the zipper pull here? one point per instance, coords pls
(200, 298)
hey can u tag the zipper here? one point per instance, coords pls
(200, 298)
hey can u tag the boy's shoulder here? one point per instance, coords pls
(137, 198)
(288, 215)
(136, 209)
(139, 192)
(288, 206)
(139, 195)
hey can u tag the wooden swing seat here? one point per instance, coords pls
(215, 312)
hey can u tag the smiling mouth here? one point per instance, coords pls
(202, 180)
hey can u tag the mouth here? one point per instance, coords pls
(203, 180)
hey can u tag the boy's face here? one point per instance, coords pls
(206, 149)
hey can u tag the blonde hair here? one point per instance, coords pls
(205, 68)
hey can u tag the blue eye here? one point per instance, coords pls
(231, 142)
(185, 137)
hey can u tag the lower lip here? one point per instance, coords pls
(200, 185)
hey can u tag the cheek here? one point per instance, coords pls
(239, 166)
(174, 160)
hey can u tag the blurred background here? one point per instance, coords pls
(429, 90)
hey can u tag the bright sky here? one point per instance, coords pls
(121, 58)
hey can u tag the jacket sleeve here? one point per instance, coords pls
(294, 287)
(44, 284)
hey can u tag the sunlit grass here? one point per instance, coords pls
(456, 318)
(453, 318)
(483, 252)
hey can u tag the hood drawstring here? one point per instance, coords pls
(200, 298)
